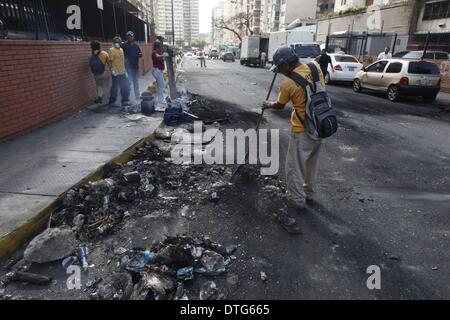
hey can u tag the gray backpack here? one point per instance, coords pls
(320, 121)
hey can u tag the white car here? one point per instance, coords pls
(345, 68)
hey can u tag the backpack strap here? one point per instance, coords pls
(297, 78)
(314, 72)
(302, 82)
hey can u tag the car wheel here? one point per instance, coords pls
(393, 93)
(429, 98)
(357, 85)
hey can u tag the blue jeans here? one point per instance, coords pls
(159, 77)
(121, 82)
(133, 75)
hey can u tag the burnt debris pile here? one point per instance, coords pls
(163, 271)
(150, 181)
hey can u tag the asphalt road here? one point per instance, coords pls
(383, 198)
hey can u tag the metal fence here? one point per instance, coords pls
(46, 19)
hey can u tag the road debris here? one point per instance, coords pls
(28, 277)
(51, 245)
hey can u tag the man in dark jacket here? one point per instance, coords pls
(324, 60)
(132, 53)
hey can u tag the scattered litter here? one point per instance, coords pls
(69, 261)
(215, 198)
(213, 263)
(263, 276)
(208, 291)
(82, 253)
(120, 251)
(185, 274)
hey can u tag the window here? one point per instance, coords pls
(377, 67)
(423, 67)
(441, 56)
(306, 51)
(345, 59)
(437, 10)
(395, 67)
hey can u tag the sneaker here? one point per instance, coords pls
(126, 104)
(99, 100)
(289, 223)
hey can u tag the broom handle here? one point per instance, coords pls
(261, 116)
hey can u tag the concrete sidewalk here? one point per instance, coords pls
(38, 167)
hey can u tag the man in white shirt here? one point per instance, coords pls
(385, 54)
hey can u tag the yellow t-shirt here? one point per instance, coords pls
(291, 91)
(117, 58)
(104, 58)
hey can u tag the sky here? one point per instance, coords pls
(206, 7)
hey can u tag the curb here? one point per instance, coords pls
(14, 240)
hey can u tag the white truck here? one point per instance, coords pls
(251, 49)
(286, 38)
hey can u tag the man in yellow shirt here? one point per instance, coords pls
(118, 72)
(101, 69)
(303, 151)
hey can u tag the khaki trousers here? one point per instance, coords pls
(301, 167)
(103, 85)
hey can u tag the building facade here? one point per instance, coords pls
(301, 12)
(183, 21)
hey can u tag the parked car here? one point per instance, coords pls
(214, 54)
(345, 68)
(228, 56)
(432, 55)
(399, 77)
(400, 54)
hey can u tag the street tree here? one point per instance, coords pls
(239, 24)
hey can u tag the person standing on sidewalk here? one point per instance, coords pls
(158, 70)
(118, 72)
(263, 59)
(132, 53)
(385, 54)
(303, 152)
(100, 67)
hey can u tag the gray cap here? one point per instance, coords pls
(130, 34)
(284, 55)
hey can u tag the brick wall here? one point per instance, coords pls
(41, 82)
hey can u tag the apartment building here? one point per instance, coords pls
(183, 21)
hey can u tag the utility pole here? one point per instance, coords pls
(173, 26)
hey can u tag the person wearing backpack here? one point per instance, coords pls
(100, 68)
(312, 120)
